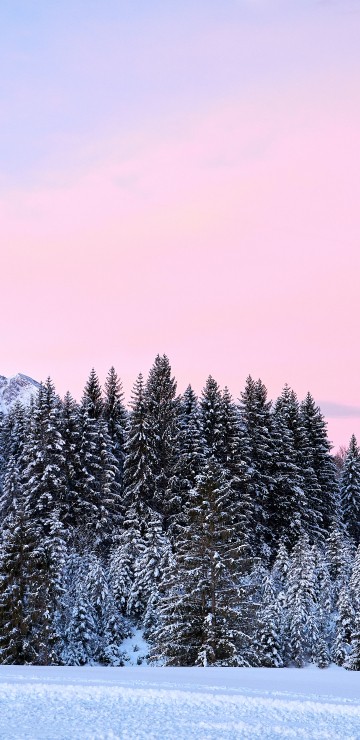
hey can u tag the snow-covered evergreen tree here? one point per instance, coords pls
(108, 625)
(350, 490)
(99, 496)
(256, 420)
(13, 435)
(353, 662)
(344, 627)
(326, 510)
(115, 414)
(301, 624)
(149, 566)
(161, 407)
(203, 612)
(14, 623)
(270, 630)
(288, 407)
(340, 555)
(79, 615)
(189, 458)
(92, 396)
(43, 459)
(287, 508)
(323, 615)
(236, 464)
(212, 420)
(139, 476)
(71, 508)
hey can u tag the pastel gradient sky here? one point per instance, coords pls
(183, 177)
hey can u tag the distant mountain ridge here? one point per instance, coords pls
(18, 388)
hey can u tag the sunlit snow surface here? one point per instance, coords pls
(143, 702)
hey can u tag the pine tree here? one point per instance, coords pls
(288, 407)
(121, 567)
(139, 478)
(340, 556)
(350, 490)
(344, 627)
(149, 565)
(281, 567)
(189, 457)
(287, 507)
(14, 625)
(235, 462)
(46, 556)
(355, 580)
(92, 396)
(161, 408)
(353, 662)
(212, 420)
(71, 509)
(256, 420)
(321, 649)
(80, 633)
(323, 465)
(108, 627)
(99, 495)
(270, 619)
(116, 416)
(31, 563)
(13, 436)
(301, 624)
(43, 460)
(203, 613)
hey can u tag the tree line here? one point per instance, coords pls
(223, 529)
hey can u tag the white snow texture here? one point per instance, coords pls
(203, 703)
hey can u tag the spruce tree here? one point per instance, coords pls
(13, 435)
(71, 509)
(149, 566)
(203, 612)
(212, 420)
(344, 627)
(80, 630)
(256, 420)
(301, 625)
(139, 477)
(350, 490)
(161, 406)
(115, 415)
(340, 556)
(92, 396)
(99, 496)
(289, 408)
(270, 630)
(189, 457)
(107, 622)
(43, 460)
(327, 511)
(287, 505)
(353, 662)
(14, 623)
(323, 616)
(236, 462)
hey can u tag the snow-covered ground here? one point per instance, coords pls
(144, 702)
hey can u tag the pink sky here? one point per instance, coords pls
(222, 229)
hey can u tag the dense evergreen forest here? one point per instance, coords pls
(225, 530)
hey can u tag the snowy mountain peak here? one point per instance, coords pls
(18, 388)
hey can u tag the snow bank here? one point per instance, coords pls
(183, 703)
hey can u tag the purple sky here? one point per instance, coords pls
(183, 178)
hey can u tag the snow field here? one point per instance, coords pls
(207, 704)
